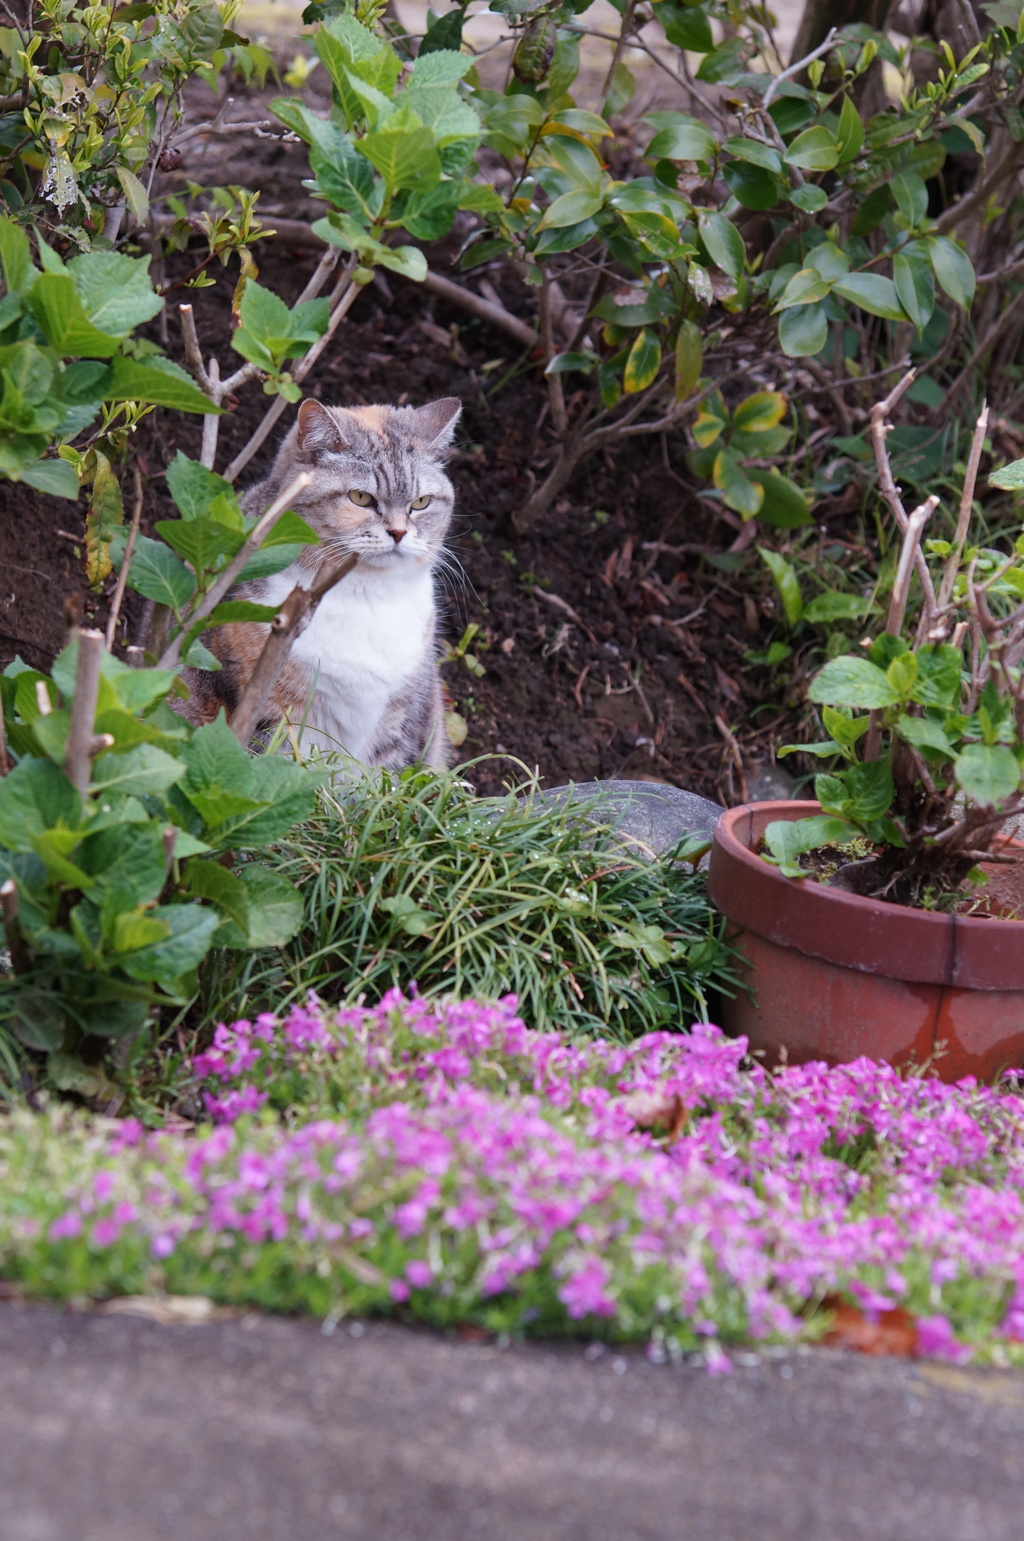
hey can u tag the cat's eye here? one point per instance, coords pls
(363, 499)
(419, 502)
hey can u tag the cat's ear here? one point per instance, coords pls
(319, 432)
(434, 424)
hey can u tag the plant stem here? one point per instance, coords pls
(171, 656)
(288, 624)
(83, 743)
(966, 509)
(126, 562)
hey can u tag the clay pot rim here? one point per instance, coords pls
(871, 935)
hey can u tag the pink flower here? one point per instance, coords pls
(419, 1273)
(935, 1340)
(585, 1291)
(65, 1226)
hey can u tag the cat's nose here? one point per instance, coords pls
(396, 535)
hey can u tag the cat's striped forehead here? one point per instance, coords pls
(382, 453)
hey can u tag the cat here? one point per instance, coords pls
(363, 676)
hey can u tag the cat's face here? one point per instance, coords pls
(379, 487)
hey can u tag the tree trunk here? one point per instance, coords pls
(820, 15)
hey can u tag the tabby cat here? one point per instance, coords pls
(363, 675)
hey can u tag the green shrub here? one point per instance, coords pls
(415, 879)
(116, 866)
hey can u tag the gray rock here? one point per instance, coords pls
(772, 784)
(650, 815)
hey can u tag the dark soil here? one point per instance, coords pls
(610, 643)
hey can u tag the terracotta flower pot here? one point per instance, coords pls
(836, 976)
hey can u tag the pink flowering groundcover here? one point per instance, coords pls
(445, 1161)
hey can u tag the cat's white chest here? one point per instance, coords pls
(369, 636)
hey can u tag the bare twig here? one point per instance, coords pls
(290, 621)
(21, 962)
(211, 422)
(890, 491)
(966, 508)
(558, 603)
(126, 562)
(213, 596)
(5, 759)
(908, 556)
(985, 188)
(83, 744)
(797, 66)
(556, 395)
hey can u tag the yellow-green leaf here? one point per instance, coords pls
(642, 363)
(760, 412)
(689, 358)
(106, 513)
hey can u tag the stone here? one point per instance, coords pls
(652, 816)
(772, 784)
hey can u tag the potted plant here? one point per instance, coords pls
(884, 919)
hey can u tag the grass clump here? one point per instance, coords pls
(414, 877)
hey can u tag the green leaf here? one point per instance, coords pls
(953, 269)
(571, 209)
(62, 319)
(201, 542)
(803, 331)
(759, 412)
(806, 287)
(690, 28)
(850, 133)
(786, 582)
(787, 839)
(15, 256)
(939, 667)
(135, 195)
(56, 477)
(157, 574)
(142, 772)
(988, 773)
(276, 908)
(902, 675)
(755, 152)
(681, 138)
(404, 152)
(737, 489)
(642, 363)
(1010, 477)
(689, 359)
(128, 863)
(845, 730)
(873, 293)
(868, 790)
(723, 242)
(785, 505)
(34, 797)
(195, 489)
(923, 733)
(184, 945)
(824, 608)
(445, 33)
(915, 288)
(822, 751)
(809, 198)
(115, 291)
(911, 196)
(155, 387)
(814, 150)
(852, 681)
(751, 186)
